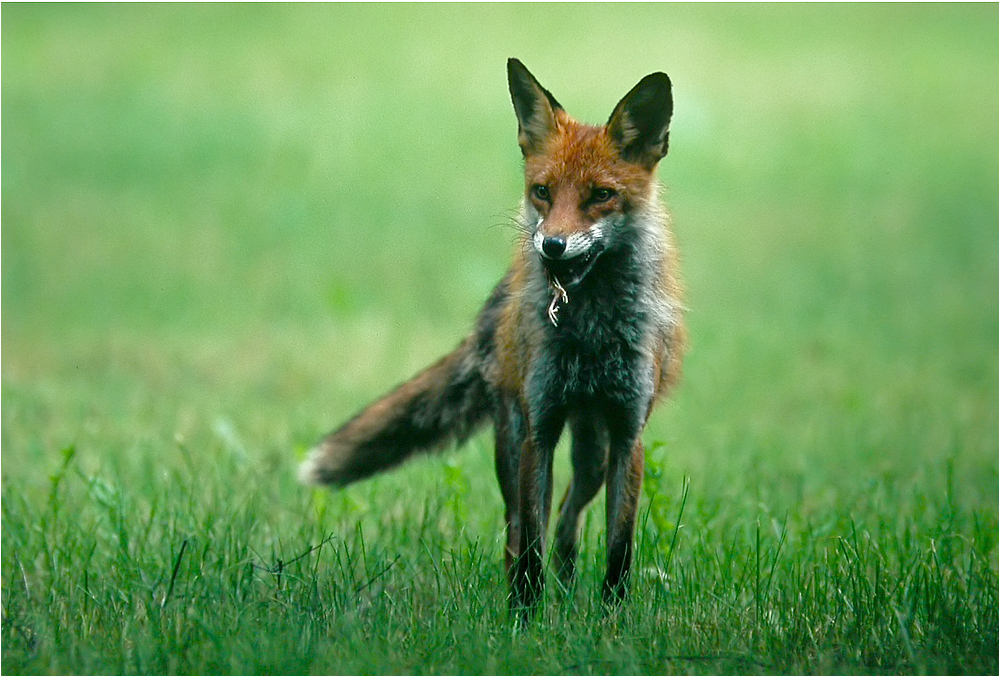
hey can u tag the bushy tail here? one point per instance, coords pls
(443, 403)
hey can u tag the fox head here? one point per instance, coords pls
(583, 181)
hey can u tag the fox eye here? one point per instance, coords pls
(541, 192)
(599, 195)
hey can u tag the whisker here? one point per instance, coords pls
(514, 221)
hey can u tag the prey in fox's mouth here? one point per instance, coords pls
(570, 272)
(568, 260)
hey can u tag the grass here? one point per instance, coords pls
(225, 228)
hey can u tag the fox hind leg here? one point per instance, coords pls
(589, 457)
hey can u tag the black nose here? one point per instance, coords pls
(553, 247)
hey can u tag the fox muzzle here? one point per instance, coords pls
(558, 247)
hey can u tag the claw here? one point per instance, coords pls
(559, 296)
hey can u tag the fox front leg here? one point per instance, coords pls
(624, 485)
(535, 494)
(510, 437)
(626, 461)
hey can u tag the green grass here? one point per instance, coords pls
(225, 228)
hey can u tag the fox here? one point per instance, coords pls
(584, 330)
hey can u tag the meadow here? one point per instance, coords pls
(225, 228)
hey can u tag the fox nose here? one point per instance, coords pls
(554, 246)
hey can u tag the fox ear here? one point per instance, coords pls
(640, 123)
(534, 106)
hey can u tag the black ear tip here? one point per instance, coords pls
(516, 72)
(658, 80)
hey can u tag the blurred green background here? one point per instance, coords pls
(227, 227)
(273, 213)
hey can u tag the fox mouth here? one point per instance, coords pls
(570, 272)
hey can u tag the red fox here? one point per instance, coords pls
(585, 329)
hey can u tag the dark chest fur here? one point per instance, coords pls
(596, 348)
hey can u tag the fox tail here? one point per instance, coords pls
(446, 402)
